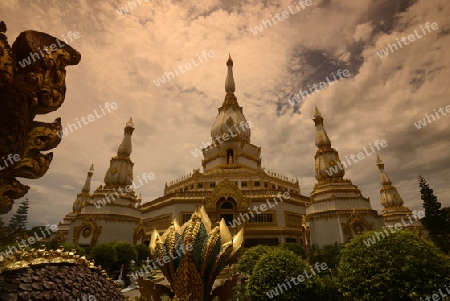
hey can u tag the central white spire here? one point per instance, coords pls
(229, 82)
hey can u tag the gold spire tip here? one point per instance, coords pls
(317, 110)
(229, 81)
(92, 167)
(230, 60)
(130, 122)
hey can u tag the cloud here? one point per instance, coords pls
(122, 55)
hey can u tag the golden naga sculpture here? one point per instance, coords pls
(32, 81)
(54, 275)
(192, 256)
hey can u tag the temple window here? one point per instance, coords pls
(185, 217)
(262, 218)
(230, 156)
(227, 205)
(243, 184)
(257, 184)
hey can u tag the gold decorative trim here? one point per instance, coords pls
(199, 197)
(109, 217)
(337, 213)
(357, 224)
(293, 214)
(26, 259)
(263, 224)
(138, 234)
(37, 88)
(88, 224)
(226, 189)
(159, 222)
(61, 236)
(305, 230)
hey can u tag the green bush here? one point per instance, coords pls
(330, 290)
(272, 278)
(104, 255)
(87, 251)
(79, 250)
(250, 257)
(143, 252)
(125, 252)
(294, 247)
(327, 253)
(399, 266)
(52, 244)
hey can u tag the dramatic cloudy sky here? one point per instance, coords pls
(122, 54)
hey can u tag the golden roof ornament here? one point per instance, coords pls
(229, 82)
(200, 254)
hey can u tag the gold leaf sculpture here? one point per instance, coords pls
(191, 256)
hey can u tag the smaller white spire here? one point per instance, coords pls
(87, 183)
(384, 178)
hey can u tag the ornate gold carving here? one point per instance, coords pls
(205, 253)
(226, 189)
(357, 223)
(42, 137)
(138, 234)
(88, 227)
(293, 219)
(35, 86)
(60, 237)
(10, 189)
(87, 231)
(305, 230)
(24, 259)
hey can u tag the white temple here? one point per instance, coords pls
(235, 187)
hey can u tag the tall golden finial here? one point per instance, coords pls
(87, 183)
(316, 112)
(229, 82)
(322, 140)
(384, 178)
(379, 161)
(130, 122)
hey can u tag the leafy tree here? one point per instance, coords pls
(18, 222)
(436, 220)
(143, 252)
(400, 266)
(332, 253)
(277, 275)
(297, 248)
(327, 253)
(125, 252)
(330, 290)
(251, 256)
(104, 255)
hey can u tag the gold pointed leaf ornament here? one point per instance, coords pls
(191, 256)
